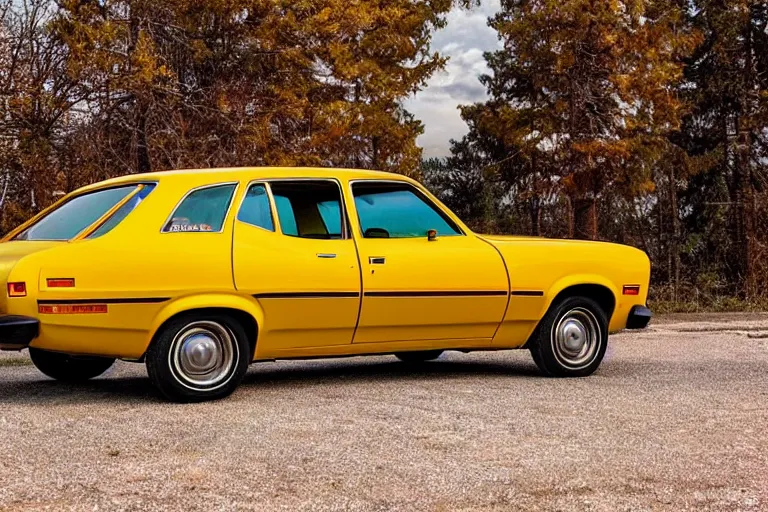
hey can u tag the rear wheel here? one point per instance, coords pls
(198, 357)
(68, 368)
(571, 339)
(418, 356)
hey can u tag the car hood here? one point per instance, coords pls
(538, 239)
(557, 250)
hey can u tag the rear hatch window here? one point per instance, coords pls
(81, 212)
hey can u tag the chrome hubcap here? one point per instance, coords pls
(199, 354)
(576, 338)
(203, 355)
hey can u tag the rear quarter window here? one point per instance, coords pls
(202, 210)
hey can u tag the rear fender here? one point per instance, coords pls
(242, 303)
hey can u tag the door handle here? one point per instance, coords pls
(325, 255)
(377, 260)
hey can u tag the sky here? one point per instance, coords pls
(463, 40)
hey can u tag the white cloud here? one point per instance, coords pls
(463, 40)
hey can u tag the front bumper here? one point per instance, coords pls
(638, 318)
(17, 332)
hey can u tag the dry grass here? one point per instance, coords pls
(14, 361)
(702, 299)
(713, 305)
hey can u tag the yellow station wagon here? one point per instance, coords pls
(200, 273)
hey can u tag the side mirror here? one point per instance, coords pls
(376, 233)
(432, 235)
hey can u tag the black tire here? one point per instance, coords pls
(198, 357)
(68, 368)
(571, 339)
(418, 356)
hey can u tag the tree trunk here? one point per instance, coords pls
(375, 152)
(674, 249)
(358, 93)
(743, 171)
(534, 208)
(143, 163)
(140, 105)
(585, 218)
(731, 171)
(745, 216)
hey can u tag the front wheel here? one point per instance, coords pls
(198, 357)
(571, 338)
(68, 368)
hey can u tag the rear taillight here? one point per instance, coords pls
(60, 282)
(17, 289)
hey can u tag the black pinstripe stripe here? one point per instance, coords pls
(528, 293)
(125, 300)
(306, 295)
(440, 293)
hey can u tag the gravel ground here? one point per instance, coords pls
(675, 419)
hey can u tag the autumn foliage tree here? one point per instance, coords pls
(185, 83)
(37, 97)
(582, 94)
(97, 89)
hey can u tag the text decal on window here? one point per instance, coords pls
(203, 210)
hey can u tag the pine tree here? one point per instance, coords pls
(728, 77)
(583, 93)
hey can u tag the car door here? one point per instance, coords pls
(293, 253)
(452, 287)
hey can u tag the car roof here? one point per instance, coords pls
(250, 173)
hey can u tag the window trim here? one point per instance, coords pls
(345, 233)
(418, 192)
(113, 211)
(272, 209)
(191, 191)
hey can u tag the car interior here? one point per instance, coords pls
(309, 209)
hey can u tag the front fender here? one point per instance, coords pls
(578, 279)
(582, 279)
(244, 303)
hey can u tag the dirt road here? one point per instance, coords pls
(676, 418)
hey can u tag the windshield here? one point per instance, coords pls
(72, 217)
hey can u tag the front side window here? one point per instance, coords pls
(309, 209)
(77, 214)
(398, 210)
(255, 209)
(203, 209)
